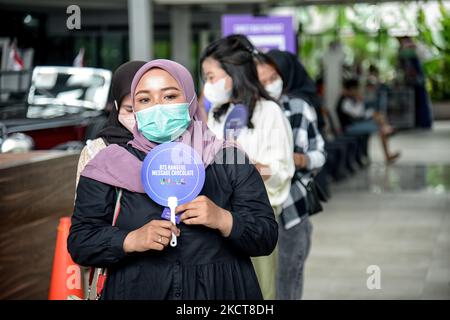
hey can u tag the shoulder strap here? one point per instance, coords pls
(97, 276)
(117, 206)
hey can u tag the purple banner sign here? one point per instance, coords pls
(272, 32)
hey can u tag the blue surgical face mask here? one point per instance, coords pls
(163, 122)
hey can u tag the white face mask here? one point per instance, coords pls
(216, 92)
(275, 88)
(128, 121)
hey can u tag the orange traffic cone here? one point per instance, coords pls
(65, 282)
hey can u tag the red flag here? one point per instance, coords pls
(15, 60)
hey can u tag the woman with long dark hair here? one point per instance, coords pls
(231, 79)
(283, 76)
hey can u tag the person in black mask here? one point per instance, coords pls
(121, 120)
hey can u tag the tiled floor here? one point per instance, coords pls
(396, 218)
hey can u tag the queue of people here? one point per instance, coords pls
(268, 137)
(248, 234)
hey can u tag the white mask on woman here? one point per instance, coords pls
(128, 121)
(275, 88)
(216, 92)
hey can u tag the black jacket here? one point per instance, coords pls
(204, 264)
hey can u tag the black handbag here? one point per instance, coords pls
(314, 195)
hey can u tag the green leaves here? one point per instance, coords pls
(437, 69)
(366, 32)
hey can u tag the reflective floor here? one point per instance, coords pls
(387, 227)
(379, 178)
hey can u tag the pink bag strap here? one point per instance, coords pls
(117, 207)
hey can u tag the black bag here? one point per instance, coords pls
(314, 195)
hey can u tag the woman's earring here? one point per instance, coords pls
(115, 104)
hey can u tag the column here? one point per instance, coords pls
(140, 29)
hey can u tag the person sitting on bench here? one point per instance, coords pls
(356, 119)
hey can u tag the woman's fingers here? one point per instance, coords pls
(175, 230)
(172, 229)
(167, 233)
(200, 199)
(193, 217)
(189, 214)
(157, 246)
(195, 220)
(167, 225)
(162, 239)
(187, 206)
(197, 203)
(162, 223)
